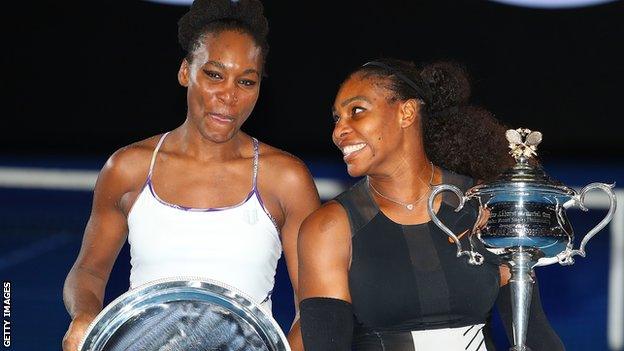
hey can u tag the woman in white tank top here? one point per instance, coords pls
(204, 242)
(205, 199)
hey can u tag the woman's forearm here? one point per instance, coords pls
(83, 293)
(294, 337)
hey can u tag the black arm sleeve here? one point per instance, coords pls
(326, 324)
(540, 335)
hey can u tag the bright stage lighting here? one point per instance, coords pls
(553, 4)
(173, 2)
(547, 4)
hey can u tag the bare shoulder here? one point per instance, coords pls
(128, 166)
(281, 164)
(326, 226)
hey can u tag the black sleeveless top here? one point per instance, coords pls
(408, 277)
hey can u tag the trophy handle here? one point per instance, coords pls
(607, 188)
(474, 258)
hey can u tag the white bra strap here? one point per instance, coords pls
(162, 138)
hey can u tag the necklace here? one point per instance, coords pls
(408, 205)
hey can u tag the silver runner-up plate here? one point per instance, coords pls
(184, 314)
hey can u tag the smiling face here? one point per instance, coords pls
(370, 127)
(223, 82)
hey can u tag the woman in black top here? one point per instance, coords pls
(375, 272)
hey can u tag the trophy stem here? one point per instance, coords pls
(521, 290)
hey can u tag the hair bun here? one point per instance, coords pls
(249, 13)
(449, 85)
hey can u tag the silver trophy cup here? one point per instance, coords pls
(184, 314)
(522, 219)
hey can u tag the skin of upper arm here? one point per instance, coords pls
(298, 198)
(505, 274)
(107, 228)
(324, 249)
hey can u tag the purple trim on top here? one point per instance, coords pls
(194, 209)
(137, 198)
(254, 188)
(254, 182)
(255, 191)
(256, 164)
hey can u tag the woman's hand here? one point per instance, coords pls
(76, 332)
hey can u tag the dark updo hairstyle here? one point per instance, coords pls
(215, 16)
(460, 137)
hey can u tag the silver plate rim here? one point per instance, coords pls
(247, 305)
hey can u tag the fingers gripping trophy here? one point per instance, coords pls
(524, 222)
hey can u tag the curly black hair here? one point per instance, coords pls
(458, 136)
(214, 16)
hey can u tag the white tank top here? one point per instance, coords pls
(237, 245)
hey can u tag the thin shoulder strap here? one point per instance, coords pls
(255, 161)
(162, 138)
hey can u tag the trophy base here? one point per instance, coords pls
(521, 284)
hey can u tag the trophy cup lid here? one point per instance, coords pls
(526, 174)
